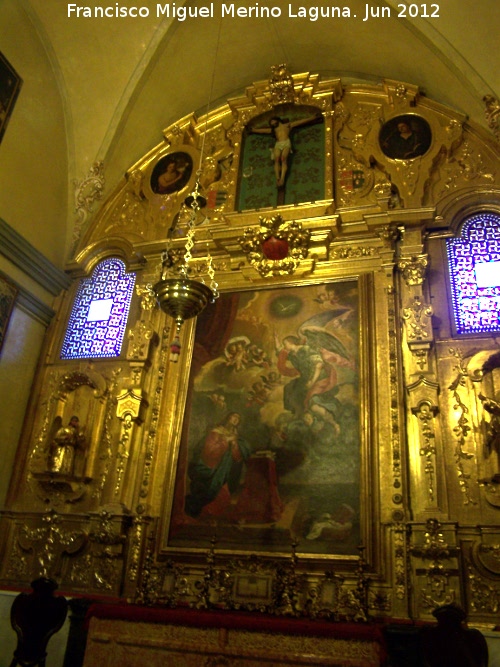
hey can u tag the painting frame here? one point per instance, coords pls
(405, 137)
(178, 164)
(10, 85)
(8, 295)
(178, 430)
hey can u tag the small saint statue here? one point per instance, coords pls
(65, 442)
(492, 407)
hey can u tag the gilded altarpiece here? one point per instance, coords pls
(407, 423)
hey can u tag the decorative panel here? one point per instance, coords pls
(97, 322)
(474, 264)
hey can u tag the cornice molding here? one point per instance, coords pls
(31, 261)
(31, 305)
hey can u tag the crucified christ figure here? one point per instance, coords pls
(281, 129)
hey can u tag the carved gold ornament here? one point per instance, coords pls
(276, 247)
(281, 84)
(413, 269)
(492, 113)
(87, 192)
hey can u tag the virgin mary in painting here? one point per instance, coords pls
(216, 469)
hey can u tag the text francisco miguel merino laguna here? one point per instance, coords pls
(230, 10)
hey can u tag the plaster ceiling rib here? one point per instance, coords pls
(53, 59)
(440, 45)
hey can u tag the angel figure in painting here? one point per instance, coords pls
(63, 446)
(236, 353)
(311, 360)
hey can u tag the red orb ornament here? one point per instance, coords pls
(274, 248)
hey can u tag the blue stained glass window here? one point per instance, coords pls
(97, 323)
(474, 263)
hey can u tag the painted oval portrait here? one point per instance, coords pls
(405, 137)
(171, 173)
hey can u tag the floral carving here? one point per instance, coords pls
(413, 269)
(276, 247)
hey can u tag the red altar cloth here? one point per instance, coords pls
(259, 501)
(238, 620)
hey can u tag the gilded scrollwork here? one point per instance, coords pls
(466, 166)
(277, 587)
(462, 428)
(417, 318)
(383, 190)
(323, 595)
(484, 596)
(379, 602)
(281, 84)
(87, 192)
(162, 583)
(401, 95)
(436, 590)
(277, 246)
(128, 216)
(136, 539)
(399, 538)
(330, 596)
(140, 337)
(355, 174)
(426, 413)
(485, 555)
(353, 252)
(100, 567)
(409, 175)
(413, 269)
(492, 113)
(50, 541)
(105, 454)
(19, 566)
(123, 449)
(155, 414)
(395, 415)
(208, 586)
(288, 586)
(434, 546)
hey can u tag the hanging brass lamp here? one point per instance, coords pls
(181, 296)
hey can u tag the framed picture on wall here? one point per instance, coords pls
(8, 293)
(171, 173)
(272, 446)
(10, 85)
(405, 137)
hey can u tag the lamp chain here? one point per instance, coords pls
(214, 285)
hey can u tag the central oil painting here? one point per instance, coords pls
(271, 446)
